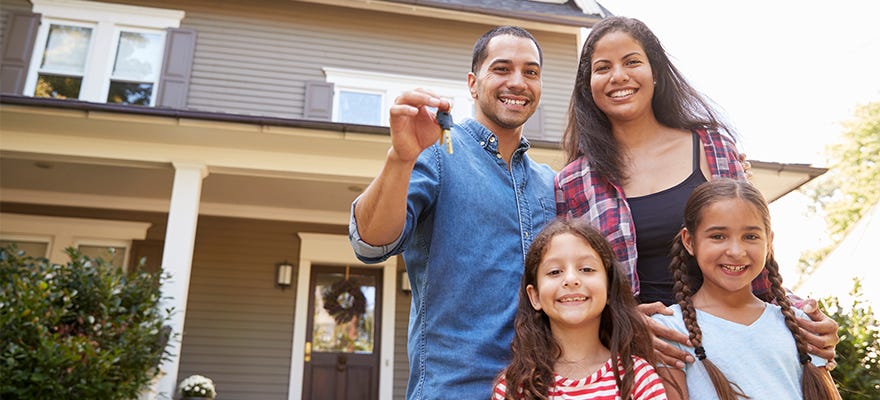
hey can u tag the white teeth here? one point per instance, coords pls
(514, 102)
(733, 268)
(622, 93)
(570, 299)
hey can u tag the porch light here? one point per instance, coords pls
(283, 274)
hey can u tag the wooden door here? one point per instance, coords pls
(342, 335)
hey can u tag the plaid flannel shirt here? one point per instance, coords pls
(580, 192)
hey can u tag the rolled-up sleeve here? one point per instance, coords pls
(364, 251)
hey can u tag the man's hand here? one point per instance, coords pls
(667, 353)
(820, 332)
(413, 126)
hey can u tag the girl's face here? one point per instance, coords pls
(572, 283)
(621, 80)
(731, 245)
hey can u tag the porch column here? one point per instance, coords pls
(180, 236)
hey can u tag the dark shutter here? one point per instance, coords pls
(180, 46)
(534, 127)
(319, 101)
(18, 46)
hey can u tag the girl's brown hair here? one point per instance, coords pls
(622, 329)
(816, 383)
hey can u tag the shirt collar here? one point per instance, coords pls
(486, 138)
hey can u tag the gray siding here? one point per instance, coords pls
(255, 57)
(238, 325)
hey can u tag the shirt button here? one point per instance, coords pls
(482, 143)
(526, 234)
(492, 139)
(498, 155)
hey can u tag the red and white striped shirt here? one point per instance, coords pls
(601, 385)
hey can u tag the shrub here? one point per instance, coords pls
(858, 353)
(85, 330)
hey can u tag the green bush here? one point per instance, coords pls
(85, 330)
(858, 354)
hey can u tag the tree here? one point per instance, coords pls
(858, 372)
(852, 184)
(85, 330)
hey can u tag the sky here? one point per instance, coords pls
(785, 73)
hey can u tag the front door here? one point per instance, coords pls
(342, 334)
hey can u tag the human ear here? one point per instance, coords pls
(533, 297)
(472, 81)
(686, 241)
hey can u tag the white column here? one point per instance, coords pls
(180, 236)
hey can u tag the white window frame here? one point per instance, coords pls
(393, 85)
(107, 21)
(18, 237)
(63, 232)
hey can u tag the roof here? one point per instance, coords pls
(562, 11)
(548, 14)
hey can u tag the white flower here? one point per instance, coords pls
(197, 386)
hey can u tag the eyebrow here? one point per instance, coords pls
(624, 57)
(715, 228)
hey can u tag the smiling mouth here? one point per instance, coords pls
(733, 268)
(513, 102)
(621, 93)
(573, 299)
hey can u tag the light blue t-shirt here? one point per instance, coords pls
(761, 358)
(470, 220)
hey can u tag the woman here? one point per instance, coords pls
(639, 139)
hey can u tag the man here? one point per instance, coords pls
(465, 220)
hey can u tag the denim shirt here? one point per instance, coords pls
(470, 221)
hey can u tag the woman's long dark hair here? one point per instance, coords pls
(676, 104)
(816, 383)
(622, 329)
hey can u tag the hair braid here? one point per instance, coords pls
(725, 389)
(816, 383)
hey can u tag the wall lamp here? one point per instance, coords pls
(283, 274)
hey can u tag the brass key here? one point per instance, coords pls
(445, 121)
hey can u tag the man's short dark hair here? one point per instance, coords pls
(483, 41)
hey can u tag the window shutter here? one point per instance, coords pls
(18, 46)
(180, 46)
(319, 101)
(534, 127)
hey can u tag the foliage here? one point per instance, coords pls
(852, 185)
(85, 330)
(858, 353)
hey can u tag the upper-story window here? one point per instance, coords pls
(99, 52)
(364, 97)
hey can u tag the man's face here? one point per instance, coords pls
(507, 87)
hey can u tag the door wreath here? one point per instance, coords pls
(344, 299)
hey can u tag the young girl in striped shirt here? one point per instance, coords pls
(577, 333)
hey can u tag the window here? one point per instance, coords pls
(44, 236)
(364, 97)
(99, 52)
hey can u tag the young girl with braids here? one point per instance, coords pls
(577, 334)
(745, 347)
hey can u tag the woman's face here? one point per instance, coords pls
(621, 80)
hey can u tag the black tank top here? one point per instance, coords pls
(658, 217)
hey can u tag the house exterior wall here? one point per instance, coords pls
(255, 57)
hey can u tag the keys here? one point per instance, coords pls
(445, 121)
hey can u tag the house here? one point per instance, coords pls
(224, 142)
